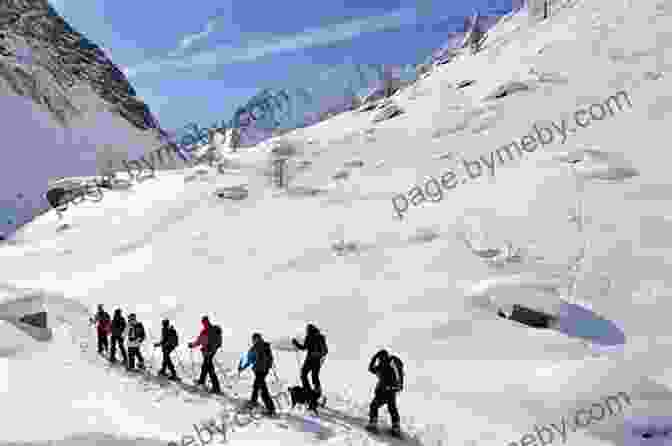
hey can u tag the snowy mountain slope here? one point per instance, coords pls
(68, 103)
(266, 263)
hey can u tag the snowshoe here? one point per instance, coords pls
(373, 428)
(395, 431)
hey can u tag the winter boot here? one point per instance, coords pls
(395, 430)
(270, 413)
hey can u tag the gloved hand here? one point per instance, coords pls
(190, 345)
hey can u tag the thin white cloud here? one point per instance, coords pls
(190, 39)
(311, 37)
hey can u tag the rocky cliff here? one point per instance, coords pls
(66, 109)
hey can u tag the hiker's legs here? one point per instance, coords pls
(167, 363)
(102, 342)
(305, 370)
(113, 350)
(378, 400)
(131, 358)
(256, 386)
(265, 394)
(141, 360)
(122, 349)
(204, 369)
(211, 372)
(392, 408)
(315, 376)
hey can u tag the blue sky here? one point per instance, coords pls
(198, 60)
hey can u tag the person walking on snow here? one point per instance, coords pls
(168, 343)
(117, 336)
(210, 339)
(261, 356)
(316, 346)
(103, 326)
(389, 370)
(136, 336)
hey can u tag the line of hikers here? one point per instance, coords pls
(388, 368)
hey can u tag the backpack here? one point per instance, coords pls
(264, 360)
(398, 372)
(171, 338)
(322, 349)
(138, 332)
(214, 338)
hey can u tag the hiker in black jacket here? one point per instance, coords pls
(136, 336)
(390, 382)
(261, 354)
(117, 336)
(316, 346)
(168, 343)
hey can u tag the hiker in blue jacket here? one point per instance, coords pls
(260, 357)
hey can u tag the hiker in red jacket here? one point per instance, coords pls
(103, 327)
(210, 339)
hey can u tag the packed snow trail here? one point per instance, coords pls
(334, 424)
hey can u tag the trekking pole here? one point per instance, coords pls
(277, 380)
(180, 363)
(191, 358)
(152, 349)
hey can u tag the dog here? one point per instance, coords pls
(299, 395)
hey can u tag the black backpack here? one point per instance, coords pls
(214, 338)
(139, 332)
(171, 338)
(322, 349)
(398, 372)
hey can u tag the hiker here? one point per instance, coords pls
(168, 343)
(210, 339)
(389, 370)
(316, 346)
(136, 336)
(117, 336)
(103, 325)
(261, 356)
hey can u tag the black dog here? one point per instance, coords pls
(299, 395)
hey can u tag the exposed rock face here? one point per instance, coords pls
(66, 109)
(68, 56)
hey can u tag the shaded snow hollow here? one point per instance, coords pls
(171, 248)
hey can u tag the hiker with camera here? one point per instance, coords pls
(390, 373)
